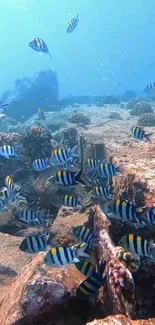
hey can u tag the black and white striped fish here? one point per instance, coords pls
(9, 183)
(92, 164)
(140, 134)
(84, 234)
(41, 164)
(149, 87)
(69, 178)
(8, 151)
(62, 156)
(108, 170)
(34, 217)
(124, 210)
(39, 45)
(102, 191)
(72, 24)
(99, 181)
(72, 201)
(61, 255)
(90, 286)
(85, 267)
(137, 245)
(34, 243)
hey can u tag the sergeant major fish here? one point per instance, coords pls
(39, 45)
(72, 201)
(149, 87)
(34, 217)
(102, 191)
(72, 24)
(108, 170)
(69, 178)
(8, 151)
(34, 243)
(85, 267)
(62, 155)
(137, 245)
(140, 134)
(41, 114)
(41, 164)
(61, 255)
(9, 183)
(84, 234)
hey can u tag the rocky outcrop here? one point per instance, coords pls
(121, 320)
(30, 94)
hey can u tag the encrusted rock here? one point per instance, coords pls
(147, 119)
(114, 116)
(79, 118)
(131, 104)
(141, 108)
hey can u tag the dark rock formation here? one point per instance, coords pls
(147, 119)
(30, 94)
(111, 99)
(141, 108)
(79, 118)
(114, 116)
(131, 104)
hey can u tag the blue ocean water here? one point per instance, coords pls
(110, 51)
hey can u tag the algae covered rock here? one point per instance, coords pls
(131, 104)
(79, 118)
(147, 119)
(141, 108)
(114, 116)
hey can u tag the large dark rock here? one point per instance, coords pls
(41, 91)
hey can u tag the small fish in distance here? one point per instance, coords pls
(37, 44)
(149, 87)
(140, 134)
(69, 178)
(41, 114)
(62, 255)
(41, 164)
(3, 106)
(8, 151)
(72, 24)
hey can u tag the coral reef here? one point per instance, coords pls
(129, 95)
(79, 118)
(40, 91)
(141, 108)
(147, 119)
(131, 104)
(111, 99)
(37, 143)
(114, 116)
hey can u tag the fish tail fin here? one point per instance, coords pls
(148, 136)
(73, 152)
(78, 177)
(120, 169)
(49, 54)
(81, 252)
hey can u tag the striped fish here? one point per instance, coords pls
(72, 24)
(102, 191)
(69, 178)
(137, 245)
(100, 181)
(41, 114)
(84, 234)
(123, 210)
(108, 170)
(85, 267)
(41, 164)
(140, 134)
(90, 286)
(92, 164)
(37, 44)
(34, 217)
(72, 201)
(8, 151)
(3, 204)
(34, 243)
(61, 255)
(149, 87)
(9, 183)
(62, 156)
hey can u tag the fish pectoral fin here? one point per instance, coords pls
(76, 260)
